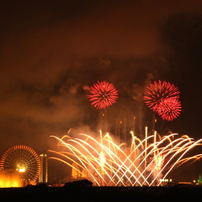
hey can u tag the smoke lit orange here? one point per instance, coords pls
(107, 163)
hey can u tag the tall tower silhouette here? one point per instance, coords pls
(43, 177)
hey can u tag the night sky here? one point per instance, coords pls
(51, 52)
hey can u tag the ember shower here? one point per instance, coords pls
(107, 161)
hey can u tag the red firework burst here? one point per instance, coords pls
(157, 92)
(169, 109)
(102, 94)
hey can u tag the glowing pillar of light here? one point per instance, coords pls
(133, 128)
(154, 144)
(102, 157)
(146, 133)
(43, 177)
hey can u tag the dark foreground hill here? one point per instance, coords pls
(79, 193)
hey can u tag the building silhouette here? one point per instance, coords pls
(43, 176)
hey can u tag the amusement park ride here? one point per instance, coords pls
(20, 165)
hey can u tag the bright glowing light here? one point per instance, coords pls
(107, 163)
(22, 170)
(21, 166)
(102, 94)
(22, 159)
(169, 109)
(158, 91)
(10, 178)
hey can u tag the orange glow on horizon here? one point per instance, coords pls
(10, 179)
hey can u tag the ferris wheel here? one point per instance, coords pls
(23, 159)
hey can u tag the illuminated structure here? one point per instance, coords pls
(43, 176)
(142, 162)
(23, 160)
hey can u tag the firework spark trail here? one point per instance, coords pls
(122, 166)
(85, 157)
(102, 94)
(176, 150)
(108, 164)
(141, 143)
(163, 98)
(193, 145)
(103, 149)
(165, 152)
(169, 109)
(103, 161)
(100, 159)
(153, 146)
(158, 91)
(103, 165)
(165, 164)
(113, 155)
(195, 158)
